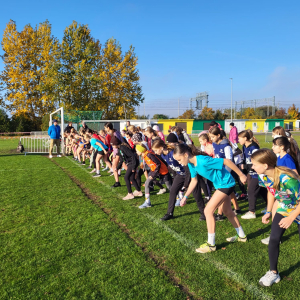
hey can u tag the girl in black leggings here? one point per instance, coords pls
(181, 180)
(132, 162)
(284, 193)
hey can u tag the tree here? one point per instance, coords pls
(143, 117)
(218, 115)
(120, 81)
(160, 116)
(206, 113)
(27, 57)
(188, 114)
(281, 113)
(76, 82)
(293, 112)
(4, 121)
(249, 113)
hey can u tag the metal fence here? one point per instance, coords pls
(35, 144)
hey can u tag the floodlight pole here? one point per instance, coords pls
(125, 111)
(231, 99)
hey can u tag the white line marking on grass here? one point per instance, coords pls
(253, 289)
(233, 275)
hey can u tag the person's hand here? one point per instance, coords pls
(183, 201)
(286, 222)
(150, 177)
(265, 218)
(243, 178)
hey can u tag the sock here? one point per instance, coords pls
(180, 195)
(240, 232)
(147, 197)
(211, 238)
(97, 172)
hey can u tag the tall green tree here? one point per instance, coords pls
(4, 121)
(75, 79)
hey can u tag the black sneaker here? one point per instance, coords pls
(206, 199)
(96, 175)
(167, 217)
(237, 212)
(219, 217)
(116, 184)
(202, 218)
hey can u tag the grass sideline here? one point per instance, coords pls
(165, 249)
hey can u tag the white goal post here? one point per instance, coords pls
(62, 123)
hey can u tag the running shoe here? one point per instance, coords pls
(266, 240)
(116, 184)
(58, 156)
(97, 175)
(242, 197)
(105, 169)
(219, 217)
(138, 194)
(93, 171)
(128, 197)
(236, 238)
(50, 156)
(177, 202)
(205, 248)
(248, 215)
(161, 191)
(269, 278)
(237, 212)
(145, 205)
(167, 217)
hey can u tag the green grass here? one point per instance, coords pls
(67, 235)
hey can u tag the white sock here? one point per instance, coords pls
(180, 195)
(211, 238)
(97, 172)
(240, 232)
(147, 196)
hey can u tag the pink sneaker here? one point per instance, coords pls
(128, 197)
(138, 194)
(93, 171)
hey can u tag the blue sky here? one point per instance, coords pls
(187, 47)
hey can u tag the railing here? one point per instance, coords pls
(37, 144)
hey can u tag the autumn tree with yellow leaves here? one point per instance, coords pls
(40, 74)
(28, 55)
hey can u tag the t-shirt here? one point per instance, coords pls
(212, 169)
(288, 196)
(173, 163)
(97, 147)
(286, 161)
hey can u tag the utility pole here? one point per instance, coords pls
(231, 98)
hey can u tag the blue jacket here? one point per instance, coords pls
(247, 152)
(54, 132)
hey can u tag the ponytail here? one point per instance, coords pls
(160, 143)
(283, 170)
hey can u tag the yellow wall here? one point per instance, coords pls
(172, 122)
(260, 124)
(288, 122)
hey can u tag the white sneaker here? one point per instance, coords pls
(58, 156)
(269, 279)
(161, 191)
(50, 156)
(264, 211)
(266, 240)
(249, 215)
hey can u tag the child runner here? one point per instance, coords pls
(132, 162)
(222, 149)
(159, 133)
(157, 168)
(214, 169)
(181, 180)
(250, 146)
(100, 152)
(281, 147)
(284, 188)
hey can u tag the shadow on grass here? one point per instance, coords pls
(259, 232)
(290, 270)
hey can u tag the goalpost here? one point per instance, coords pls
(62, 123)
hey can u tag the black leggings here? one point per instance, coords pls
(253, 191)
(203, 186)
(276, 235)
(177, 185)
(130, 177)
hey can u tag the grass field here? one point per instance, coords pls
(66, 235)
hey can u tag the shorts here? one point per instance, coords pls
(99, 152)
(227, 191)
